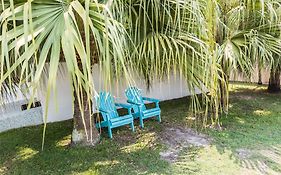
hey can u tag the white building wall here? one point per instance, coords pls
(59, 106)
(60, 102)
(12, 116)
(167, 89)
(265, 74)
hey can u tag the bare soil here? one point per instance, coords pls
(176, 139)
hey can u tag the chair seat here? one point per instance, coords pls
(117, 119)
(111, 118)
(138, 102)
(151, 112)
(122, 120)
(148, 113)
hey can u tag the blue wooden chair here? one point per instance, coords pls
(111, 119)
(140, 111)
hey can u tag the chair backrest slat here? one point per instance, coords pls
(134, 94)
(105, 102)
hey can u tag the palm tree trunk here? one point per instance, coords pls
(84, 131)
(260, 80)
(220, 38)
(274, 81)
(224, 91)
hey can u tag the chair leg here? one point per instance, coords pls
(141, 122)
(159, 117)
(132, 126)
(109, 132)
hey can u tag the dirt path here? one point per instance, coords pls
(176, 139)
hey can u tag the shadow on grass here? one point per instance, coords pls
(127, 152)
(252, 129)
(133, 153)
(251, 139)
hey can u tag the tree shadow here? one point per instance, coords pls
(127, 152)
(252, 130)
(253, 124)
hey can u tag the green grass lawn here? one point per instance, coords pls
(250, 143)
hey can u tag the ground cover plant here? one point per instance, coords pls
(249, 143)
(200, 40)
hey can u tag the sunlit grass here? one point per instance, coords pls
(262, 112)
(147, 140)
(238, 87)
(64, 141)
(26, 153)
(249, 143)
(209, 160)
(107, 163)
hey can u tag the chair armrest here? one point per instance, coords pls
(101, 110)
(151, 99)
(105, 116)
(156, 101)
(127, 106)
(134, 103)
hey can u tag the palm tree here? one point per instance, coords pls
(201, 40)
(159, 37)
(275, 73)
(259, 75)
(170, 36)
(80, 33)
(246, 34)
(274, 81)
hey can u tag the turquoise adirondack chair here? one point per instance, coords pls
(111, 119)
(135, 98)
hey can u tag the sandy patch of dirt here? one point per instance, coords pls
(176, 139)
(244, 153)
(245, 97)
(260, 164)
